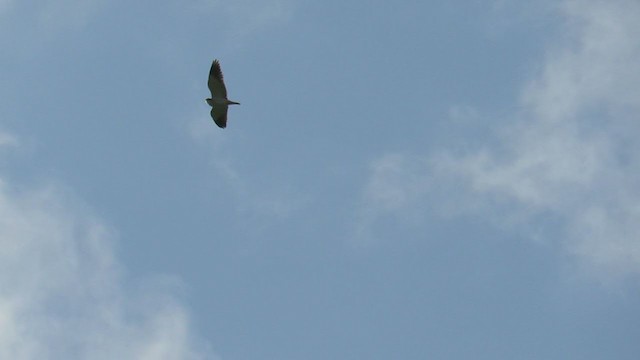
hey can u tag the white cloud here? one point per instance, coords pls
(571, 154)
(62, 292)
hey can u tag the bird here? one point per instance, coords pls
(218, 101)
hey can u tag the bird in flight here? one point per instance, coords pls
(218, 101)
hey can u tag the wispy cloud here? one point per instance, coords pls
(62, 291)
(278, 202)
(7, 140)
(57, 14)
(52, 15)
(254, 15)
(5, 5)
(571, 152)
(397, 181)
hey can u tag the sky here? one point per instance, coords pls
(403, 180)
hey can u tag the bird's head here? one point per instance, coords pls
(209, 101)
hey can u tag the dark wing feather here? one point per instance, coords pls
(216, 81)
(219, 115)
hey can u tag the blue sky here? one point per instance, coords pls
(403, 180)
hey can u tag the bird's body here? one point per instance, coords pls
(218, 101)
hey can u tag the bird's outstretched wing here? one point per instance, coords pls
(219, 115)
(216, 81)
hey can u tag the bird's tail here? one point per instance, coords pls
(233, 103)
